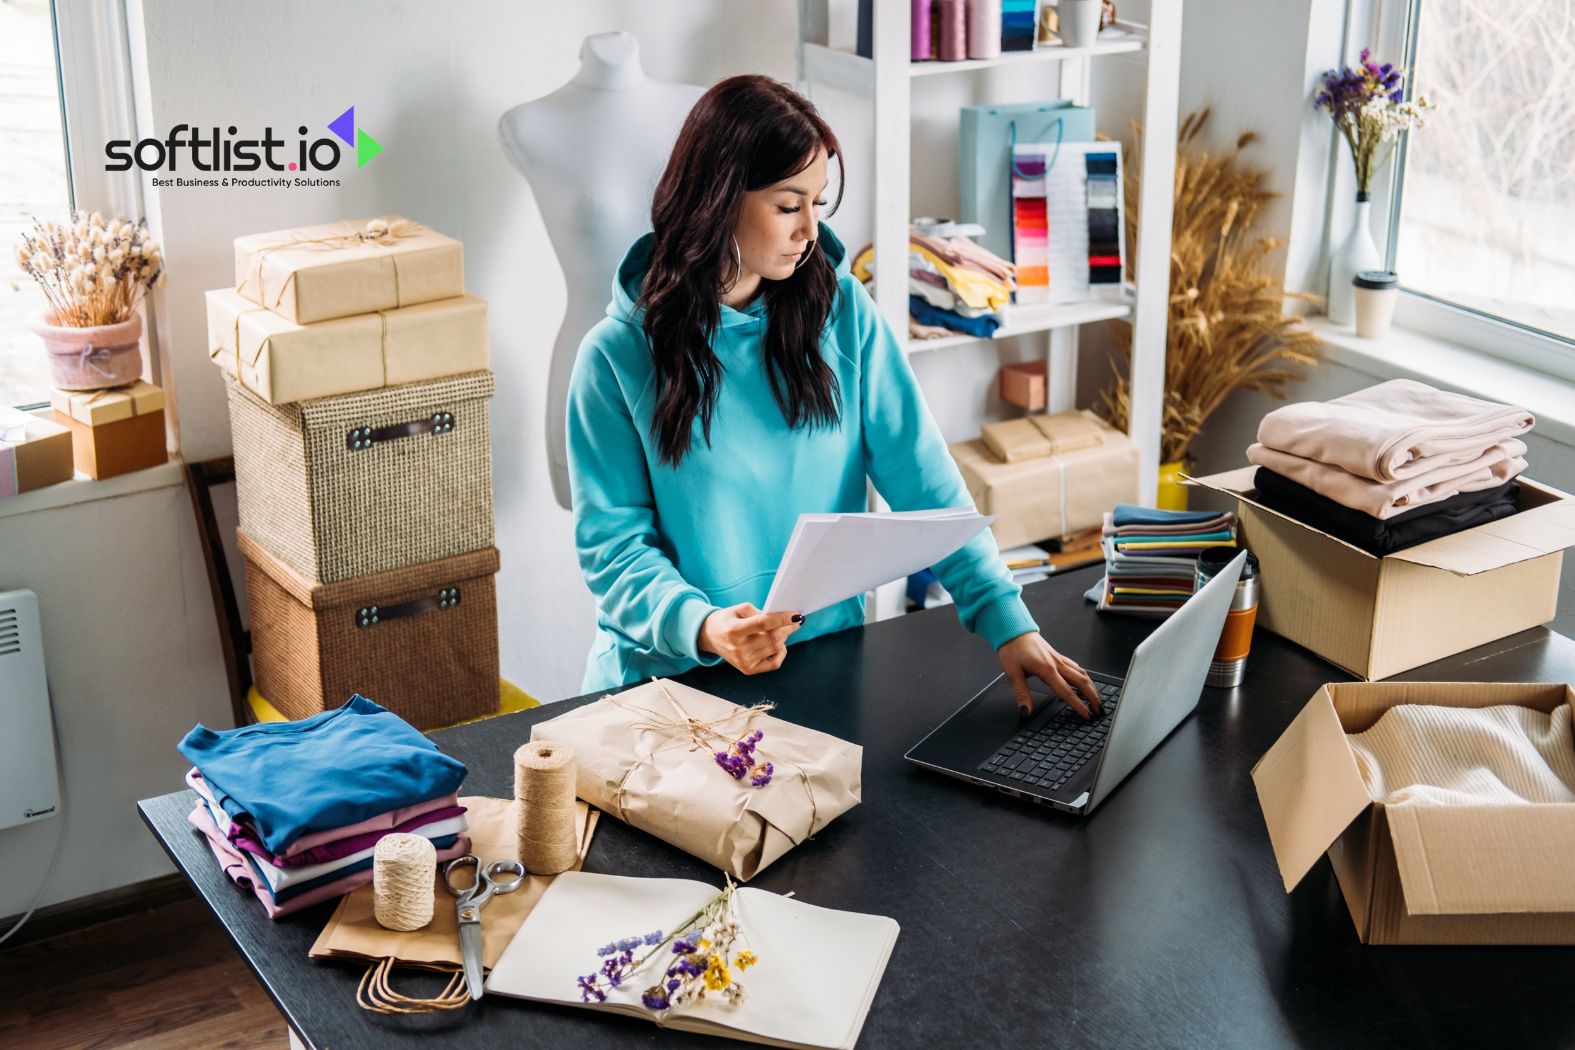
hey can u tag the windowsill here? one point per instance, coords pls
(83, 489)
(1408, 354)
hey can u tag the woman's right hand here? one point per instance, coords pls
(747, 638)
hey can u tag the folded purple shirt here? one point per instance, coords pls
(245, 836)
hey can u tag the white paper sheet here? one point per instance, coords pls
(818, 970)
(832, 557)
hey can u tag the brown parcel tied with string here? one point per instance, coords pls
(646, 756)
(354, 932)
(283, 362)
(340, 269)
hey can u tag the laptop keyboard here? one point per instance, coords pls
(1049, 755)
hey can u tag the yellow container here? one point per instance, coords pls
(1172, 494)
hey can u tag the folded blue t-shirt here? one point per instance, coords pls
(1131, 514)
(289, 779)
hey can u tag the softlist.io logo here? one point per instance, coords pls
(221, 155)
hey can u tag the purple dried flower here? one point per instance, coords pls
(655, 998)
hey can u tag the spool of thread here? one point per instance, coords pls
(952, 18)
(544, 806)
(922, 47)
(984, 28)
(404, 872)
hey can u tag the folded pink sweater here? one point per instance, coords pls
(1393, 431)
(1385, 499)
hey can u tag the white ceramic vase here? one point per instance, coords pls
(1355, 253)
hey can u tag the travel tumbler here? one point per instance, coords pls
(1229, 666)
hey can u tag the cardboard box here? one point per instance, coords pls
(1025, 385)
(1377, 617)
(1015, 440)
(283, 362)
(341, 269)
(1433, 874)
(35, 451)
(113, 431)
(1054, 496)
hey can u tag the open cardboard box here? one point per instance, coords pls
(1376, 617)
(1418, 874)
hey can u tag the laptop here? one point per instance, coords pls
(1055, 758)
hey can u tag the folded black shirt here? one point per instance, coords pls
(1385, 536)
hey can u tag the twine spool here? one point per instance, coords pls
(544, 806)
(404, 872)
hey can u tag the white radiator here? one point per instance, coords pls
(29, 786)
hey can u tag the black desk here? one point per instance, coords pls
(1159, 921)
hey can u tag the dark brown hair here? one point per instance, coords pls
(746, 133)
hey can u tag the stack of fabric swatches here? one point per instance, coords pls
(293, 810)
(1393, 465)
(1150, 556)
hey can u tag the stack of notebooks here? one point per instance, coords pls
(1151, 555)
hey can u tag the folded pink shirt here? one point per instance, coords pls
(1385, 499)
(233, 864)
(383, 822)
(1393, 431)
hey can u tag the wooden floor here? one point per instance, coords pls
(165, 978)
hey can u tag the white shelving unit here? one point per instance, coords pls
(886, 79)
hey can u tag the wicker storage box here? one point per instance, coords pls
(421, 640)
(345, 486)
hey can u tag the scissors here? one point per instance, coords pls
(487, 880)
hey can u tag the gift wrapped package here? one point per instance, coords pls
(114, 431)
(1056, 494)
(340, 269)
(649, 756)
(283, 362)
(34, 452)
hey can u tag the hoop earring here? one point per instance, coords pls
(807, 253)
(738, 267)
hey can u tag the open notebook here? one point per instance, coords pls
(812, 987)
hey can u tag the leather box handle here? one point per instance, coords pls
(372, 615)
(359, 439)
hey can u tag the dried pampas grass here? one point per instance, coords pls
(1227, 328)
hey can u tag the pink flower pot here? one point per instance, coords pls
(94, 358)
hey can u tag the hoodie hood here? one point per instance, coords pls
(637, 260)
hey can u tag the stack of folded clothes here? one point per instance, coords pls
(1150, 556)
(293, 810)
(1392, 466)
(954, 285)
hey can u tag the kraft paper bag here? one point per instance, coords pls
(283, 362)
(354, 933)
(647, 756)
(340, 269)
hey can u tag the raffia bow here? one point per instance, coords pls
(701, 734)
(382, 232)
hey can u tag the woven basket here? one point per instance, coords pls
(422, 640)
(341, 487)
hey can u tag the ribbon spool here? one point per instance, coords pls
(544, 806)
(404, 873)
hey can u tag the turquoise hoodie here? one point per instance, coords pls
(663, 547)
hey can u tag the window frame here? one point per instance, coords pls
(1393, 28)
(97, 103)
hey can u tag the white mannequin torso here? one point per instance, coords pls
(593, 151)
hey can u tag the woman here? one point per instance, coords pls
(742, 377)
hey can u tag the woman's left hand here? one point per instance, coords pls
(1029, 654)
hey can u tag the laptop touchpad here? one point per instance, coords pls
(998, 706)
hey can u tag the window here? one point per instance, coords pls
(33, 181)
(1483, 215)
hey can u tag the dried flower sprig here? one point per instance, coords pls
(1367, 103)
(739, 760)
(700, 959)
(91, 271)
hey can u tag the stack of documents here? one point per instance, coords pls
(1151, 555)
(832, 557)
